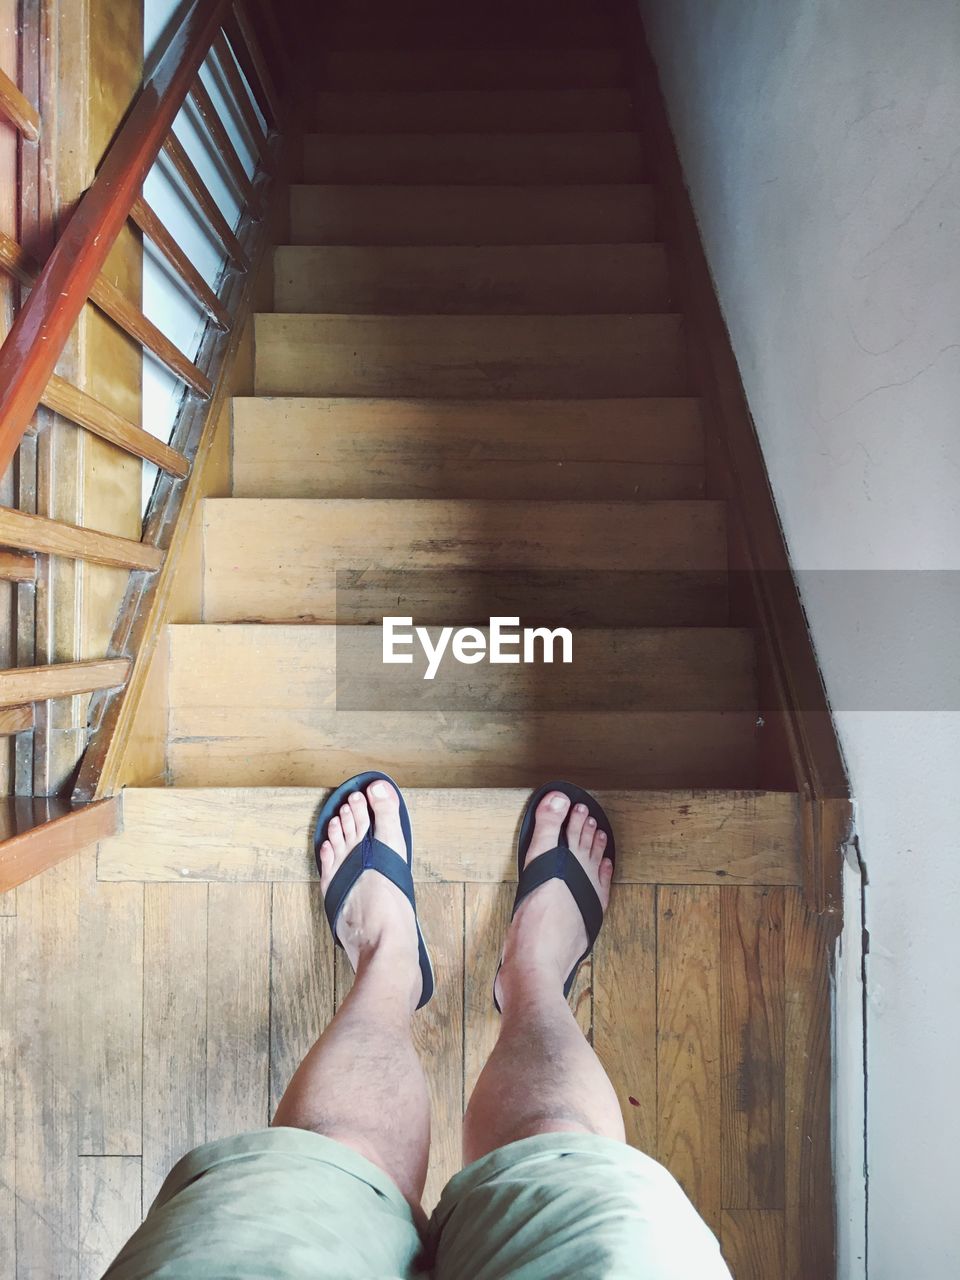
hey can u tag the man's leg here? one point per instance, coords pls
(362, 1083)
(543, 1076)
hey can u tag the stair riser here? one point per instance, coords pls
(445, 558)
(530, 280)
(473, 159)
(465, 69)
(482, 356)
(431, 215)
(474, 112)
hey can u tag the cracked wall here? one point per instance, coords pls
(821, 144)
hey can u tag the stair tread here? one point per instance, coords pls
(471, 110)
(502, 279)
(258, 705)
(513, 356)
(439, 552)
(469, 834)
(473, 158)
(430, 214)
(352, 448)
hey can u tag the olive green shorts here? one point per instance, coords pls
(285, 1203)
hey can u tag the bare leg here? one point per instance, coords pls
(362, 1083)
(543, 1076)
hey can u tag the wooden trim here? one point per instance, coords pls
(21, 113)
(826, 826)
(16, 719)
(144, 610)
(151, 226)
(65, 832)
(15, 567)
(36, 340)
(221, 139)
(99, 419)
(19, 263)
(244, 39)
(800, 713)
(61, 680)
(187, 171)
(241, 93)
(54, 538)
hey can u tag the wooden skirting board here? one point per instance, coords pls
(461, 835)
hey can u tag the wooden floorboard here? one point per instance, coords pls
(110, 1210)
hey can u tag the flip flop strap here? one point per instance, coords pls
(561, 864)
(370, 854)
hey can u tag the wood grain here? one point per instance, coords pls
(21, 113)
(174, 1027)
(60, 680)
(688, 1042)
(471, 356)
(17, 568)
(487, 910)
(301, 980)
(752, 1070)
(752, 1241)
(442, 449)
(625, 996)
(110, 1210)
(471, 111)
(593, 213)
(469, 835)
(16, 719)
(471, 279)
(361, 559)
(54, 537)
(238, 1009)
(36, 849)
(48, 1014)
(110, 980)
(438, 1031)
(810, 1223)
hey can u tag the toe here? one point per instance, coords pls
(605, 876)
(385, 803)
(361, 813)
(587, 838)
(551, 811)
(578, 816)
(349, 826)
(598, 846)
(335, 837)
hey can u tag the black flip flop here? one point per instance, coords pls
(371, 854)
(561, 864)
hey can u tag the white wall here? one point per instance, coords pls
(821, 144)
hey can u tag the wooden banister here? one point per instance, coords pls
(33, 346)
(20, 685)
(15, 567)
(188, 173)
(54, 538)
(21, 113)
(150, 224)
(241, 95)
(221, 139)
(247, 47)
(99, 419)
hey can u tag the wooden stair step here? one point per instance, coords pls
(420, 69)
(511, 356)
(467, 835)
(438, 215)
(356, 448)
(257, 706)
(472, 158)
(459, 562)
(500, 279)
(473, 111)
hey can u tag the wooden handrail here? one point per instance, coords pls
(33, 346)
(18, 110)
(61, 680)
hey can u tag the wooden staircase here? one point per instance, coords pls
(474, 397)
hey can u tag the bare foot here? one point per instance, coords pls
(547, 935)
(376, 918)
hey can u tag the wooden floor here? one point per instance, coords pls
(706, 1002)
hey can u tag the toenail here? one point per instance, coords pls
(601, 836)
(556, 802)
(591, 822)
(581, 808)
(379, 789)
